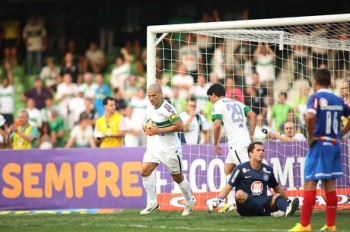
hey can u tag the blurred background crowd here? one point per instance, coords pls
(60, 59)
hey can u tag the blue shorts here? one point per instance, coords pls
(264, 202)
(323, 162)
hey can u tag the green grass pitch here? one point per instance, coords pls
(130, 220)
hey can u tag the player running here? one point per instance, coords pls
(168, 151)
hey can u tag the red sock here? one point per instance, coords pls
(308, 205)
(331, 208)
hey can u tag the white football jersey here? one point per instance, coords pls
(233, 116)
(164, 116)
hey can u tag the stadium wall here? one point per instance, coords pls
(110, 178)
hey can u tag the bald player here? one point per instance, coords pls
(166, 125)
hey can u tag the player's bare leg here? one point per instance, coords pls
(230, 202)
(149, 183)
(186, 190)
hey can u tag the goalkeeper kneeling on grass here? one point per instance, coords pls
(252, 180)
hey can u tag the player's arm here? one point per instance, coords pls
(176, 126)
(251, 115)
(217, 131)
(310, 125)
(280, 190)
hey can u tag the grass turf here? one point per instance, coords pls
(130, 220)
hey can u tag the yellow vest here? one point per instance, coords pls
(20, 143)
(110, 126)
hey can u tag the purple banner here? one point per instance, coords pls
(110, 178)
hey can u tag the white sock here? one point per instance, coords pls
(149, 183)
(186, 190)
(231, 199)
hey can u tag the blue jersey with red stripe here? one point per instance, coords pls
(328, 109)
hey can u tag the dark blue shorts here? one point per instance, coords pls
(264, 202)
(323, 162)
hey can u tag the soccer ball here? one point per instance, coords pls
(148, 124)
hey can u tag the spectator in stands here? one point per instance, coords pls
(342, 57)
(3, 137)
(131, 87)
(195, 126)
(345, 91)
(262, 91)
(35, 37)
(120, 101)
(134, 137)
(300, 56)
(291, 134)
(90, 111)
(122, 70)
(243, 61)
(38, 93)
(102, 91)
(46, 112)
(76, 106)
(183, 80)
(88, 86)
(206, 43)
(65, 92)
(176, 100)
(264, 60)
(319, 55)
(72, 49)
(95, 58)
(190, 56)
(279, 111)
(71, 68)
(50, 74)
(57, 127)
(11, 38)
(167, 92)
(300, 105)
(82, 134)
(218, 62)
(199, 91)
(232, 91)
(260, 129)
(256, 103)
(107, 18)
(22, 135)
(110, 128)
(47, 138)
(7, 99)
(34, 113)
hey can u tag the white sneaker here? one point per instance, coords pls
(188, 208)
(292, 207)
(278, 213)
(149, 209)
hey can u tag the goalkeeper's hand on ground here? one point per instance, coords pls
(214, 204)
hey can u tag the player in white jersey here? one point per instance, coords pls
(232, 116)
(168, 151)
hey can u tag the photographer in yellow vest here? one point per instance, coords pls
(110, 128)
(22, 135)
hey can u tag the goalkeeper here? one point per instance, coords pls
(252, 180)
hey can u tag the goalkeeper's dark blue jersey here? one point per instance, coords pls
(251, 181)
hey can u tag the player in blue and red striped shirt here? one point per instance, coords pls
(323, 160)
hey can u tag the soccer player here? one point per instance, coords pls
(323, 160)
(252, 180)
(168, 151)
(232, 115)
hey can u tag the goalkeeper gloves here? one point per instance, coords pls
(215, 203)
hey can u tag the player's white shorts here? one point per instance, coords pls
(171, 159)
(237, 156)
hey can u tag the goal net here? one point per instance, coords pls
(266, 64)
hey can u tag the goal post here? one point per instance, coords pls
(278, 55)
